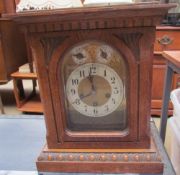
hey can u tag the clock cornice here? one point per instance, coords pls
(84, 18)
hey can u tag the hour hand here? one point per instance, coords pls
(90, 77)
(84, 96)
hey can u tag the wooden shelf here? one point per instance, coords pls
(26, 103)
(157, 52)
(24, 75)
(33, 104)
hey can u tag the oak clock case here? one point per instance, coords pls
(96, 103)
(94, 92)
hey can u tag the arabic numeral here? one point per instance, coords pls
(114, 101)
(82, 73)
(107, 108)
(105, 73)
(95, 111)
(85, 108)
(75, 81)
(116, 91)
(77, 101)
(73, 91)
(113, 80)
(92, 70)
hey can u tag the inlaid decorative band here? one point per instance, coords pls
(100, 157)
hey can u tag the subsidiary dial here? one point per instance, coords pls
(79, 55)
(104, 54)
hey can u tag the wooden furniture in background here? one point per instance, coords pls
(12, 47)
(14, 52)
(172, 65)
(167, 38)
(26, 101)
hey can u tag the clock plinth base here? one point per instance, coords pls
(103, 160)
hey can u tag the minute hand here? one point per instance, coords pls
(92, 82)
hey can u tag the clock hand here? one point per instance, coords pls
(87, 95)
(90, 77)
(93, 89)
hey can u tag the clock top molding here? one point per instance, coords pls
(83, 18)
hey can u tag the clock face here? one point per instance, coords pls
(94, 79)
(94, 90)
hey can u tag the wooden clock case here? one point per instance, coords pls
(63, 138)
(131, 30)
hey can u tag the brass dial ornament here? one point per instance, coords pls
(104, 54)
(79, 55)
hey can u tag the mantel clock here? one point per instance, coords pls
(95, 72)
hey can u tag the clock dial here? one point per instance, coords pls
(104, 54)
(79, 55)
(94, 90)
